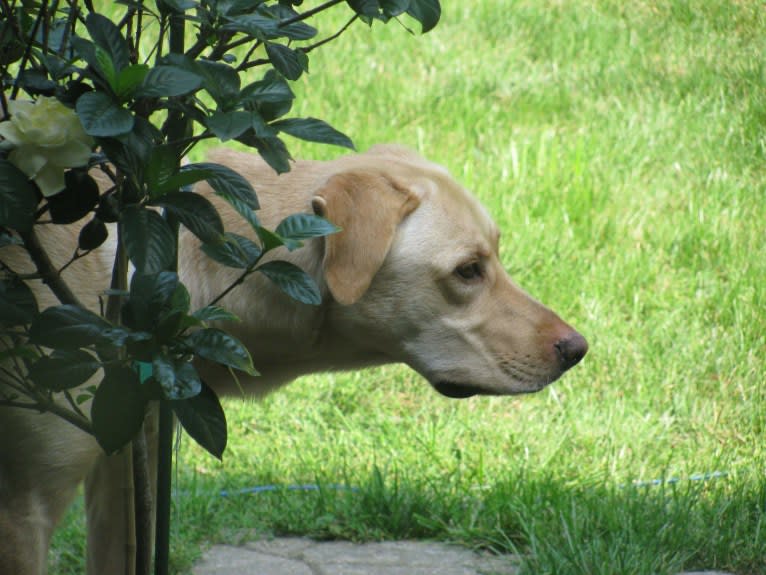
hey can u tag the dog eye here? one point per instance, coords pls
(470, 271)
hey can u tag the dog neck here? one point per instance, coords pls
(286, 338)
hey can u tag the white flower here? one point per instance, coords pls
(47, 137)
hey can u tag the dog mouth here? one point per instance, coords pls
(456, 390)
(462, 390)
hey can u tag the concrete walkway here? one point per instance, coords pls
(300, 556)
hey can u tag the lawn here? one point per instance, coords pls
(621, 147)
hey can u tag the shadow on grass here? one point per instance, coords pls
(557, 527)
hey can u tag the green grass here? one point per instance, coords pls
(621, 146)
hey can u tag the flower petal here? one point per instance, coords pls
(10, 133)
(28, 160)
(72, 155)
(20, 106)
(50, 180)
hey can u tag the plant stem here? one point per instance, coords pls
(242, 277)
(176, 129)
(28, 51)
(143, 500)
(118, 285)
(42, 405)
(246, 65)
(308, 49)
(47, 270)
(309, 13)
(164, 479)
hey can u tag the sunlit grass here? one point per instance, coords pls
(621, 148)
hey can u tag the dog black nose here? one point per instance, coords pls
(570, 350)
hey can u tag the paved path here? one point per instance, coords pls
(301, 556)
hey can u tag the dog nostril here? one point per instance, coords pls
(570, 350)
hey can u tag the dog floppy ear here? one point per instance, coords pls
(368, 208)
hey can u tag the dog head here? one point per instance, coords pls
(416, 278)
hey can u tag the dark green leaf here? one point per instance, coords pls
(228, 125)
(103, 117)
(105, 66)
(162, 81)
(177, 6)
(393, 8)
(214, 313)
(107, 35)
(220, 347)
(180, 300)
(11, 44)
(98, 59)
(269, 240)
(36, 82)
(237, 7)
(58, 67)
(142, 350)
(178, 379)
(70, 327)
(8, 239)
(131, 152)
(173, 318)
(203, 419)
(254, 25)
(17, 302)
(289, 62)
(273, 151)
(92, 235)
(18, 198)
(120, 336)
(293, 281)
(118, 409)
(304, 226)
(180, 179)
(28, 353)
(247, 213)
(266, 27)
(260, 128)
(162, 169)
(227, 183)
(63, 370)
(154, 291)
(231, 186)
(366, 8)
(271, 97)
(220, 80)
(172, 324)
(271, 89)
(196, 213)
(74, 202)
(297, 30)
(313, 130)
(148, 239)
(129, 79)
(427, 12)
(108, 209)
(150, 295)
(235, 251)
